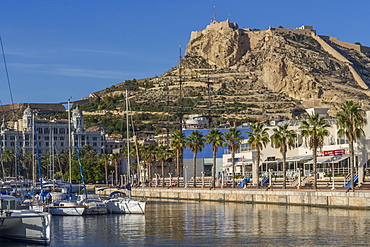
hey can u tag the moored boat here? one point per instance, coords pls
(118, 203)
(23, 225)
(66, 208)
(93, 204)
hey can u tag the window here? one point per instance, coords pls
(94, 144)
(46, 130)
(62, 131)
(46, 138)
(61, 138)
(95, 138)
(62, 144)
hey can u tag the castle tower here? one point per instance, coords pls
(27, 119)
(77, 120)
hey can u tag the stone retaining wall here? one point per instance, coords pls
(342, 199)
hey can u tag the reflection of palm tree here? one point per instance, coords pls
(284, 140)
(215, 137)
(233, 139)
(258, 138)
(178, 142)
(351, 120)
(195, 142)
(314, 129)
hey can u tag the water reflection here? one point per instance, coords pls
(188, 223)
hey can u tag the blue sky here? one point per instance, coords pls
(61, 49)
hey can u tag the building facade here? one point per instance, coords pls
(52, 135)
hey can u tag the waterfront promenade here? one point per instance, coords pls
(323, 197)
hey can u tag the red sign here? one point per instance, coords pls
(333, 152)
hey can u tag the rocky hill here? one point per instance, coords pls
(240, 73)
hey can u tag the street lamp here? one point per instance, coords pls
(170, 179)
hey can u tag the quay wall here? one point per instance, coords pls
(335, 199)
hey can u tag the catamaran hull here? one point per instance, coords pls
(26, 226)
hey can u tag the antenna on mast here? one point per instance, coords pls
(214, 14)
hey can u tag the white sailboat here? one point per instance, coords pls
(118, 202)
(23, 225)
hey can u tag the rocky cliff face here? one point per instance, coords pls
(274, 73)
(290, 62)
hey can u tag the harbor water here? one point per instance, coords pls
(190, 223)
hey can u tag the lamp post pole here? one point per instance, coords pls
(299, 178)
(185, 176)
(112, 172)
(332, 169)
(203, 173)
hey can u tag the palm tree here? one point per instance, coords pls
(116, 158)
(8, 157)
(178, 143)
(233, 139)
(105, 158)
(351, 120)
(217, 139)
(27, 159)
(314, 129)
(162, 153)
(148, 156)
(284, 140)
(195, 142)
(258, 139)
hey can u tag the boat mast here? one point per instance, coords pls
(33, 151)
(69, 142)
(128, 140)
